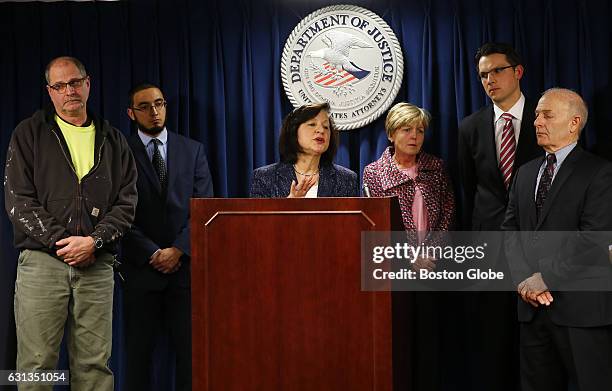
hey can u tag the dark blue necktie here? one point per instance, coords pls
(545, 182)
(159, 164)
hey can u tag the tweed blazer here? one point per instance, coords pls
(274, 181)
(385, 179)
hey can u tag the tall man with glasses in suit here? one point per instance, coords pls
(171, 170)
(487, 159)
(493, 142)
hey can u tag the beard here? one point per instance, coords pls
(153, 131)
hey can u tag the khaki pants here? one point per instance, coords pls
(49, 295)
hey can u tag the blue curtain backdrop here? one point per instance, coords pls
(218, 63)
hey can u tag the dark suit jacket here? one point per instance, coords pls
(579, 200)
(274, 181)
(162, 220)
(484, 194)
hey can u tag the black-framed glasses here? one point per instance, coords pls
(148, 107)
(495, 71)
(74, 84)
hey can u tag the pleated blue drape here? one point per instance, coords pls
(218, 62)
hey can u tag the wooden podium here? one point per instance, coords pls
(276, 295)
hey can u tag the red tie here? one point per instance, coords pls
(507, 149)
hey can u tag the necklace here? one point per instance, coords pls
(304, 174)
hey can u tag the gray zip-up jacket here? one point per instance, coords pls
(43, 196)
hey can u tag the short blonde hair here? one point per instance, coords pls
(405, 114)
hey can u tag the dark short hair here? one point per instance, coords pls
(498, 48)
(139, 87)
(288, 142)
(73, 60)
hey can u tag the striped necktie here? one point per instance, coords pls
(507, 149)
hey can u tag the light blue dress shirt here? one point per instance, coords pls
(560, 155)
(163, 148)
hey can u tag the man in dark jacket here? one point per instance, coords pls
(172, 169)
(70, 190)
(560, 266)
(493, 143)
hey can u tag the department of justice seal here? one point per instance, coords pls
(347, 56)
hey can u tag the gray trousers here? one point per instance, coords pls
(51, 295)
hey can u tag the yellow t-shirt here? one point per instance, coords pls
(81, 143)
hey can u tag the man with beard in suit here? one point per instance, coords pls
(493, 143)
(171, 170)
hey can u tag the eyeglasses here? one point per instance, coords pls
(148, 107)
(74, 84)
(495, 71)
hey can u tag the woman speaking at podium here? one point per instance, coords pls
(307, 145)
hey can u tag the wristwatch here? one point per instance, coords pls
(98, 242)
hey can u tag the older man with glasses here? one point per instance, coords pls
(70, 190)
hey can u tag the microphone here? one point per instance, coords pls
(366, 190)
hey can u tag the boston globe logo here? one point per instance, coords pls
(347, 56)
